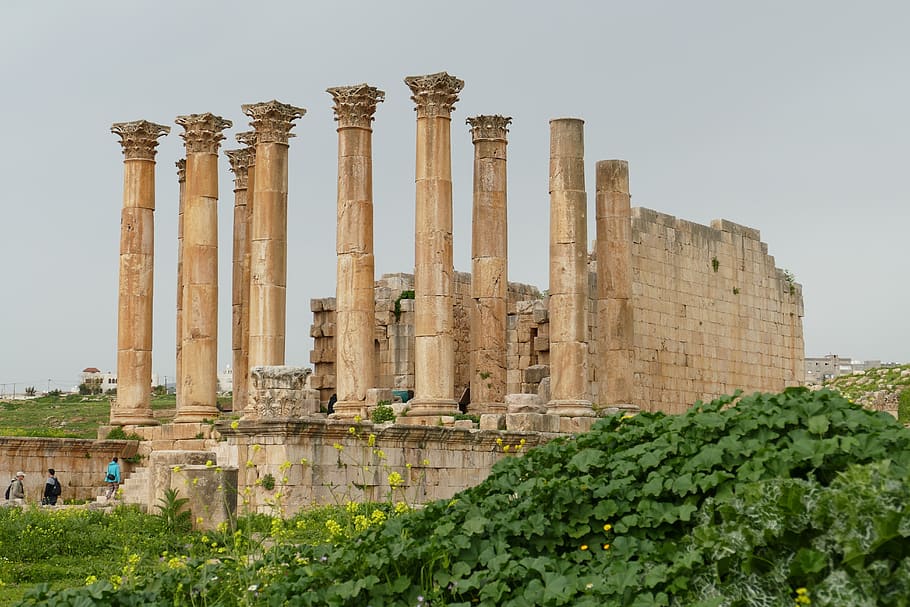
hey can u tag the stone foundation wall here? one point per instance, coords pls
(80, 464)
(712, 313)
(319, 461)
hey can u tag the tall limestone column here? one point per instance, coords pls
(272, 122)
(354, 300)
(240, 161)
(137, 261)
(181, 183)
(489, 265)
(568, 271)
(613, 214)
(434, 274)
(202, 135)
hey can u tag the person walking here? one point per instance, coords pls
(52, 488)
(112, 478)
(17, 489)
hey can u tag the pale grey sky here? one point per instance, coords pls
(790, 117)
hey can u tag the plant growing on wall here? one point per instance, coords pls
(715, 264)
(397, 309)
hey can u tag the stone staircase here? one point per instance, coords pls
(135, 489)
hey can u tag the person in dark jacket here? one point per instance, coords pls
(52, 488)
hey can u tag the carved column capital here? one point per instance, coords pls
(241, 161)
(181, 170)
(434, 94)
(248, 138)
(139, 138)
(489, 128)
(202, 132)
(272, 120)
(355, 105)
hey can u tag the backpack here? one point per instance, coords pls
(9, 488)
(57, 490)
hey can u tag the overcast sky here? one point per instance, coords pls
(789, 117)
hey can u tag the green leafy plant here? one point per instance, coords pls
(117, 433)
(736, 290)
(175, 517)
(715, 264)
(382, 413)
(267, 481)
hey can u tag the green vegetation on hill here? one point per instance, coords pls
(66, 416)
(771, 499)
(880, 388)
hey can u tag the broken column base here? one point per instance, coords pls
(528, 413)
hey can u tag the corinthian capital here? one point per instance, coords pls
(139, 138)
(202, 132)
(489, 128)
(272, 120)
(241, 161)
(434, 94)
(181, 170)
(355, 105)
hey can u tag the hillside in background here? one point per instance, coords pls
(877, 389)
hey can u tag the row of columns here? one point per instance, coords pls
(259, 267)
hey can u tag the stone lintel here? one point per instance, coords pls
(202, 132)
(489, 128)
(272, 120)
(355, 105)
(434, 94)
(241, 161)
(139, 138)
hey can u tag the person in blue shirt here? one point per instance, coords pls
(112, 478)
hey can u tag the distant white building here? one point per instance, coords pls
(92, 376)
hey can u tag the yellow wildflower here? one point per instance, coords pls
(584, 546)
(235, 424)
(395, 480)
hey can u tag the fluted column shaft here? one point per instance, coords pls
(200, 267)
(568, 271)
(272, 122)
(137, 260)
(240, 276)
(613, 214)
(489, 265)
(434, 284)
(181, 183)
(354, 299)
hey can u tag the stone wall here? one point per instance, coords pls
(316, 461)
(712, 313)
(80, 464)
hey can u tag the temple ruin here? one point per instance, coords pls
(661, 313)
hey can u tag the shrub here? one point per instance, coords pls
(903, 407)
(382, 413)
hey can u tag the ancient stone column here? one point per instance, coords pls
(272, 122)
(568, 271)
(202, 135)
(489, 265)
(354, 301)
(434, 279)
(247, 139)
(613, 213)
(240, 161)
(137, 260)
(181, 182)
